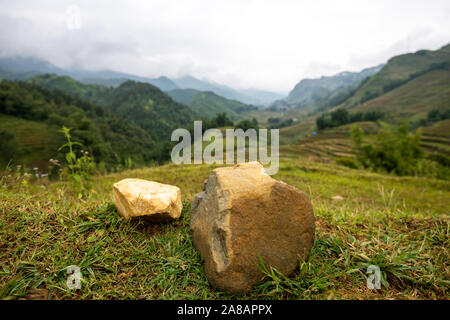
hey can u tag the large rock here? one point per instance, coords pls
(149, 200)
(243, 215)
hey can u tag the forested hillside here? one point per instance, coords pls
(143, 103)
(31, 116)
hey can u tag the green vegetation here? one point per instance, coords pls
(8, 145)
(393, 183)
(277, 123)
(142, 103)
(424, 79)
(219, 121)
(33, 115)
(183, 96)
(208, 104)
(248, 124)
(399, 224)
(341, 117)
(437, 115)
(88, 92)
(150, 108)
(401, 71)
(79, 169)
(396, 150)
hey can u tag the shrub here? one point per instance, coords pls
(341, 116)
(394, 150)
(248, 124)
(348, 162)
(440, 158)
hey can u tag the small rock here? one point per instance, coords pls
(153, 201)
(338, 198)
(244, 216)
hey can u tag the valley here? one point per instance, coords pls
(377, 175)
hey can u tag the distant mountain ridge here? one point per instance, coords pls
(24, 68)
(248, 96)
(307, 88)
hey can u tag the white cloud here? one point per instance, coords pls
(260, 44)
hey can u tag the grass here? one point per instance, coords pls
(414, 99)
(399, 224)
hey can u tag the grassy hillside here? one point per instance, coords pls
(399, 224)
(407, 88)
(414, 99)
(398, 71)
(436, 138)
(330, 144)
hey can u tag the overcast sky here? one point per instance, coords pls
(247, 43)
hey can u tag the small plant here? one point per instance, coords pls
(78, 169)
(394, 150)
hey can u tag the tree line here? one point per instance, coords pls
(341, 116)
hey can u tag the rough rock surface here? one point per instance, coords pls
(243, 215)
(149, 200)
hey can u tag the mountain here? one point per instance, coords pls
(21, 69)
(24, 68)
(144, 104)
(183, 96)
(23, 65)
(149, 107)
(208, 104)
(162, 83)
(264, 97)
(408, 86)
(89, 92)
(308, 91)
(399, 71)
